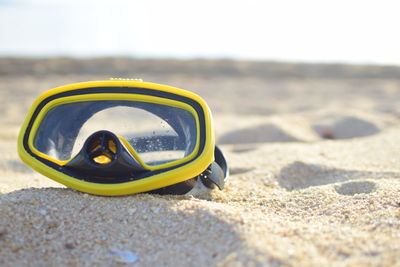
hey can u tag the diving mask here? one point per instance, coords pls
(121, 137)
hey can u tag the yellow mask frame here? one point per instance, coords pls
(158, 177)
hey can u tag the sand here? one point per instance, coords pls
(314, 160)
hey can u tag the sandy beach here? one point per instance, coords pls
(314, 156)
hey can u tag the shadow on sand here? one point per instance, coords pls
(60, 226)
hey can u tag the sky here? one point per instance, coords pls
(341, 31)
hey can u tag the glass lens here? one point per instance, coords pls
(158, 133)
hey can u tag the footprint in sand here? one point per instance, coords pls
(352, 188)
(345, 127)
(327, 127)
(299, 175)
(266, 133)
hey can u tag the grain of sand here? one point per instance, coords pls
(314, 160)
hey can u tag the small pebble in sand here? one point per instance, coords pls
(131, 211)
(123, 256)
(69, 245)
(43, 212)
(3, 232)
(327, 133)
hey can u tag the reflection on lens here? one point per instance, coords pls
(102, 159)
(157, 133)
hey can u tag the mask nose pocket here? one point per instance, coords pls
(101, 148)
(104, 156)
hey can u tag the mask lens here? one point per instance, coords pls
(157, 133)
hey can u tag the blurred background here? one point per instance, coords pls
(244, 57)
(341, 31)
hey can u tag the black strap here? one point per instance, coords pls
(215, 175)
